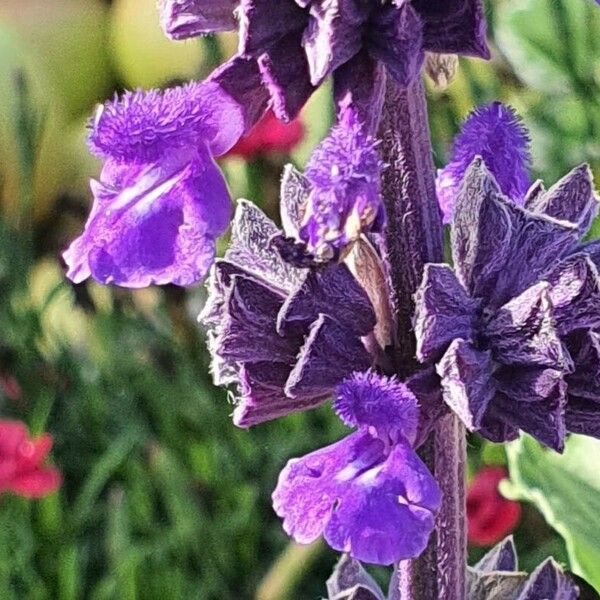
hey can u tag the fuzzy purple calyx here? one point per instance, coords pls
(495, 133)
(345, 198)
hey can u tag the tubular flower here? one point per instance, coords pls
(510, 328)
(284, 334)
(368, 494)
(161, 200)
(22, 469)
(495, 133)
(299, 43)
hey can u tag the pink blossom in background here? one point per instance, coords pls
(269, 136)
(490, 516)
(22, 468)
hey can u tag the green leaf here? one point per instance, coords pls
(566, 490)
(547, 43)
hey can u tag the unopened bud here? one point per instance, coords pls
(441, 68)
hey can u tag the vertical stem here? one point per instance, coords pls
(414, 224)
(414, 236)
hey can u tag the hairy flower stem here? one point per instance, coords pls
(414, 237)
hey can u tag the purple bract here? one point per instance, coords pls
(511, 325)
(285, 335)
(299, 43)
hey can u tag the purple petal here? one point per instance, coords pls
(182, 19)
(153, 223)
(467, 383)
(388, 515)
(500, 249)
(395, 37)
(369, 400)
(330, 353)
(333, 36)
(345, 201)
(453, 26)
(523, 331)
(443, 312)
(570, 199)
(264, 22)
(494, 133)
(309, 487)
(331, 291)
(284, 72)
(146, 126)
(575, 294)
(379, 509)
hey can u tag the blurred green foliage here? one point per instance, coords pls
(163, 497)
(566, 489)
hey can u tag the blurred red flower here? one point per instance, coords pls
(10, 388)
(490, 516)
(22, 469)
(269, 136)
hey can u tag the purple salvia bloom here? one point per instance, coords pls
(285, 336)
(508, 325)
(299, 43)
(368, 494)
(345, 197)
(161, 200)
(495, 133)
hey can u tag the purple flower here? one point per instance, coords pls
(345, 198)
(284, 335)
(508, 323)
(495, 133)
(161, 200)
(368, 494)
(299, 43)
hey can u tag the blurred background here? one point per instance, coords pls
(162, 497)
